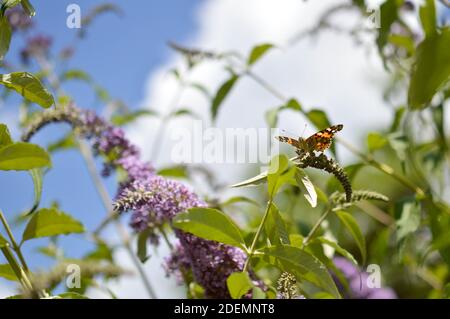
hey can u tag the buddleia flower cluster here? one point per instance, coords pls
(322, 162)
(18, 19)
(358, 283)
(287, 287)
(339, 200)
(152, 199)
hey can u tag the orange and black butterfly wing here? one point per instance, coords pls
(289, 140)
(322, 139)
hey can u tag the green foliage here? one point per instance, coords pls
(29, 86)
(210, 224)
(5, 137)
(275, 228)
(142, 240)
(123, 119)
(23, 156)
(7, 273)
(352, 227)
(28, 8)
(388, 15)
(279, 174)
(221, 94)
(271, 115)
(375, 141)
(393, 230)
(37, 177)
(239, 284)
(428, 18)
(3, 242)
(432, 69)
(258, 52)
(409, 218)
(339, 249)
(309, 191)
(48, 222)
(301, 264)
(5, 36)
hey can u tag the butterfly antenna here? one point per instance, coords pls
(304, 129)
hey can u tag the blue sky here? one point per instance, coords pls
(119, 52)
(124, 53)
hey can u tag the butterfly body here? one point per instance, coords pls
(319, 141)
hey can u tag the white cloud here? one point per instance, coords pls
(330, 72)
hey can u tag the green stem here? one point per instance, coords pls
(258, 233)
(107, 203)
(15, 246)
(383, 168)
(316, 226)
(369, 159)
(18, 271)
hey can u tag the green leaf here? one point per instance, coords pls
(72, 295)
(253, 181)
(271, 117)
(23, 156)
(319, 118)
(397, 119)
(309, 191)
(142, 241)
(122, 119)
(376, 141)
(352, 226)
(427, 14)
(49, 222)
(221, 94)
(101, 252)
(258, 52)
(27, 85)
(336, 246)
(5, 137)
(3, 242)
(409, 220)
(399, 144)
(277, 167)
(183, 112)
(180, 171)
(302, 265)
(66, 142)
(388, 15)
(431, 71)
(275, 227)
(239, 199)
(10, 3)
(239, 284)
(7, 273)
(258, 293)
(5, 36)
(76, 74)
(37, 176)
(293, 104)
(439, 226)
(28, 8)
(403, 41)
(210, 224)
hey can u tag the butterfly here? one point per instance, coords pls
(319, 141)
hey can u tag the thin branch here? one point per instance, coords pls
(107, 203)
